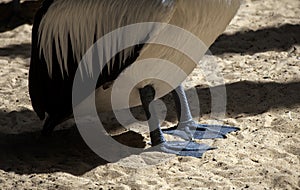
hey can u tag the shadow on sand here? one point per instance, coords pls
(10, 18)
(65, 150)
(281, 38)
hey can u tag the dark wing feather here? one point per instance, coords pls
(53, 95)
(37, 70)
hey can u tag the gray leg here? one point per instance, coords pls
(189, 129)
(182, 105)
(158, 142)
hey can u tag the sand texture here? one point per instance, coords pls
(259, 59)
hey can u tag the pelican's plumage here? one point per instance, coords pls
(65, 30)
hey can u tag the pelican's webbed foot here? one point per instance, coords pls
(191, 130)
(182, 148)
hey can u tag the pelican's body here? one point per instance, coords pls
(64, 30)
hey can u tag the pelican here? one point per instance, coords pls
(64, 30)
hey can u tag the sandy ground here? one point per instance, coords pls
(259, 57)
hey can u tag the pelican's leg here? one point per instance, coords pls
(49, 126)
(189, 129)
(158, 142)
(52, 121)
(147, 95)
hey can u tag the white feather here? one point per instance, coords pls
(83, 20)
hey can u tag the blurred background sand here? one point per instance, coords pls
(259, 58)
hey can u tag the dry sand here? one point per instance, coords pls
(259, 57)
